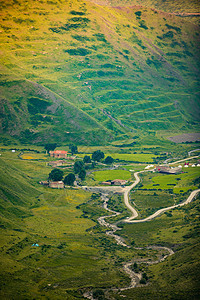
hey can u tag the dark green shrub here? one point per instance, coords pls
(138, 14)
(78, 51)
(79, 13)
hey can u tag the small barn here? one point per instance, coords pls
(44, 182)
(106, 182)
(166, 169)
(56, 163)
(56, 184)
(118, 182)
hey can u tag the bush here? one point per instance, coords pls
(98, 294)
(79, 13)
(138, 14)
(143, 281)
(78, 51)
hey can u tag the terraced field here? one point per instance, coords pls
(116, 71)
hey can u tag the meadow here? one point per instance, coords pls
(68, 255)
(82, 80)
(111, 175)
(73, 247)
(179, 183)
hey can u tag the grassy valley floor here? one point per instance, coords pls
(52, 246)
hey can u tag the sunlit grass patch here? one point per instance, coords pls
(112, 174)
(33, 156)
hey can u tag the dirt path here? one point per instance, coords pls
(134, 277)
(157, 213)
(181, 160)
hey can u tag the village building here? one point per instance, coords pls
(60, 163)
(166, 169)
(118, 182)
(57, 163)
(72, 157)
(58, 154)
(56, 184)
(106, 182)
(44, 182)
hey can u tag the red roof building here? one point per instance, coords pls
(58, 154)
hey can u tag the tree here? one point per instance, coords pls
(73, 149)
(69, 179)
(99, 294)
(78, 166)
(50, 147)
(56, 175)
(87, 159)
(82, 174)
(97, 155)
(109, 160)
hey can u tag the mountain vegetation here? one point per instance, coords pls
(108, 81)
(85, 73)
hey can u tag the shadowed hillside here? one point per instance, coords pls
(115, 70)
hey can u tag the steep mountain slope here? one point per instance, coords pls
(164, 5)
(123, 69)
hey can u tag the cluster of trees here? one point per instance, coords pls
(79, 166)
(73, 149)
(57, 175)
(50, 147)
(98, 156)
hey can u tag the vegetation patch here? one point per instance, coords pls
(112, 174)
(78, 51)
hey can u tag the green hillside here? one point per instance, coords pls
(90, 74)
(74, 254)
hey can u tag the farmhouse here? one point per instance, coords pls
(168, 170)
(56, 184)
(118, 182)
(58, 154)
(106, 182)
(57, 163)
(44, 182)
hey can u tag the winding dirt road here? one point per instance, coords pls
(135, 277)
(157, 213)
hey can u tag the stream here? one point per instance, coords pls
(127, 266)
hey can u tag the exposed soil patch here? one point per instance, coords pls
(186, 137)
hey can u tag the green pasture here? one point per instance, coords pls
(178, 183)
(33, 156)
(148, 202)
(111, 175)
(68, 256)
(129, 157)
(143, 157)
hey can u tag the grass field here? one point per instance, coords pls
(112, 174)
(74, 252)
(67, 257)
(33, 156)
(82, 80)
(148, 202)
(130, 157)
(178, 183)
